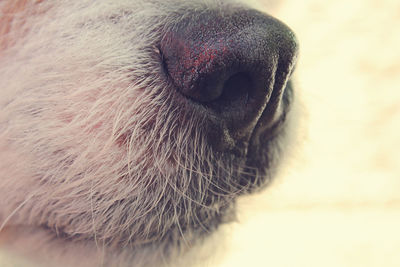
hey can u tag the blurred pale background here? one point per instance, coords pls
(338, 202)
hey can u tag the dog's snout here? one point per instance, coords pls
(230, 63)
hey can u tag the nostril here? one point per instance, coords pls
(236, 90)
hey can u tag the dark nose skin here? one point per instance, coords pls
(230, 63)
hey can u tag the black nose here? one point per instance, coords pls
(230, 63)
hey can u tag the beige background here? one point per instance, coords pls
(338, 202)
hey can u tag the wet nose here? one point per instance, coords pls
(230, 63)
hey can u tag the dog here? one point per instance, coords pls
(128, 128)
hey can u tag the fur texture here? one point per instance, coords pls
(94, 150)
